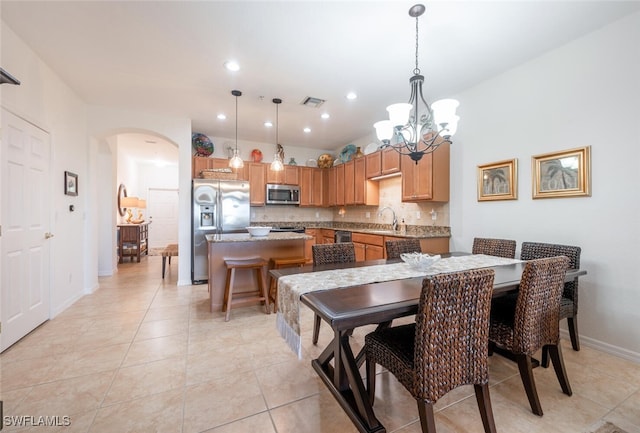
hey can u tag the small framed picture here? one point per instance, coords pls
(498, 181)
(70, 183)
(562, 174)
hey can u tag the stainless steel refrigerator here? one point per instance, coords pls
(218, 206)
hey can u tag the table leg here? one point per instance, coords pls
(345, 383)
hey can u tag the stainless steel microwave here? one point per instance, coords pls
(283, 194)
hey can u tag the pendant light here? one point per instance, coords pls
(278, 163)
(418, 132)
(236, 161)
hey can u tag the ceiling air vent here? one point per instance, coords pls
(312, 102)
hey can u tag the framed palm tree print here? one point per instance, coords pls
(562, 174)
(498, 181)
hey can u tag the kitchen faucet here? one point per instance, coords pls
(394, 223)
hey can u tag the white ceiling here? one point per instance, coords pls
(167, 57)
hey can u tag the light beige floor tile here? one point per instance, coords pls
(25, 373)
(155, 349)
(162, 328)
(628, 411)
(159, 413)
(89, 361)
(260, 423)
(167, 313)
(147, 379)
(287, 382)
(67, 397)
(218, 362)
(319, 413)
(212, 404)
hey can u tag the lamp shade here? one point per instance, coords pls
(399, 113)
(384, 130)
(444, 112)
(142, 204)
(129, 202)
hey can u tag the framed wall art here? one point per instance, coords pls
(498, 181)
(70, 183)
(562, 174)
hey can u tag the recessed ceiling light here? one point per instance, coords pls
(232, 65)
(307, 130)
(221, 116)
(325, 115)
(268, 124)
(351, 95)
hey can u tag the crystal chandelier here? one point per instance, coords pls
(278, 163)
(418, 131)
(236, 161)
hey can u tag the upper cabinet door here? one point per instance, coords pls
(428, 179)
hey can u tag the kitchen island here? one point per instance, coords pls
(242, 246)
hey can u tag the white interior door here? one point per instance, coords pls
(163, 213)
(25, 228)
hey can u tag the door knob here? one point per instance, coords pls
(48, 235)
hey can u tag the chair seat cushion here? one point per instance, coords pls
(393, 348)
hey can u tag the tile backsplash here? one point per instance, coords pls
(414, 214)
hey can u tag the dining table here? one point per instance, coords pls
(346, 306)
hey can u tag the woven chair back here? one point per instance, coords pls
(536, 319)
(494, 247)
(326, 254)
(451, 341)
(537, 250)
(395, 248)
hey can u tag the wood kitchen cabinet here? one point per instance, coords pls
(289, 176)
(368, 246)
(349, 188)
(257, 173)
(383, 162)
(340, 187)
(427, 180)
(309, 243)
(428, 245)
(328, 236)
(329, 197)
(365, 191)
(311, 186)
(200, 163)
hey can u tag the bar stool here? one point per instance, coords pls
(244, 298)
(279, 263)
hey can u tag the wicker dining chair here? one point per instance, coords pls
(445, 348)
(395, 248)
(532, 322)
(326, 254)
(494, 247)
(569, 301)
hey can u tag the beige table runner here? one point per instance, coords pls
(291, 287)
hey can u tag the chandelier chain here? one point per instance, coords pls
(416, 71)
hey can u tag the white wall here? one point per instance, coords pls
(44, 100)
(106, 122)
(583, 94)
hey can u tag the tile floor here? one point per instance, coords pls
(143, 355)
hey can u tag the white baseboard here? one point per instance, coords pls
(620, 352)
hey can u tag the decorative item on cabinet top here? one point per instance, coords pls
(218, 173)
(202, 144)
(256, 155)
(325, 161)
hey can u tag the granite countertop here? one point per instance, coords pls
(412, 231)
(246, 237)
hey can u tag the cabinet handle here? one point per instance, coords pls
(48, 235)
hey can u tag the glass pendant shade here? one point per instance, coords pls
(384, 130)
(444, 113)
(236, 161)
(399, 113)
(277, 164)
